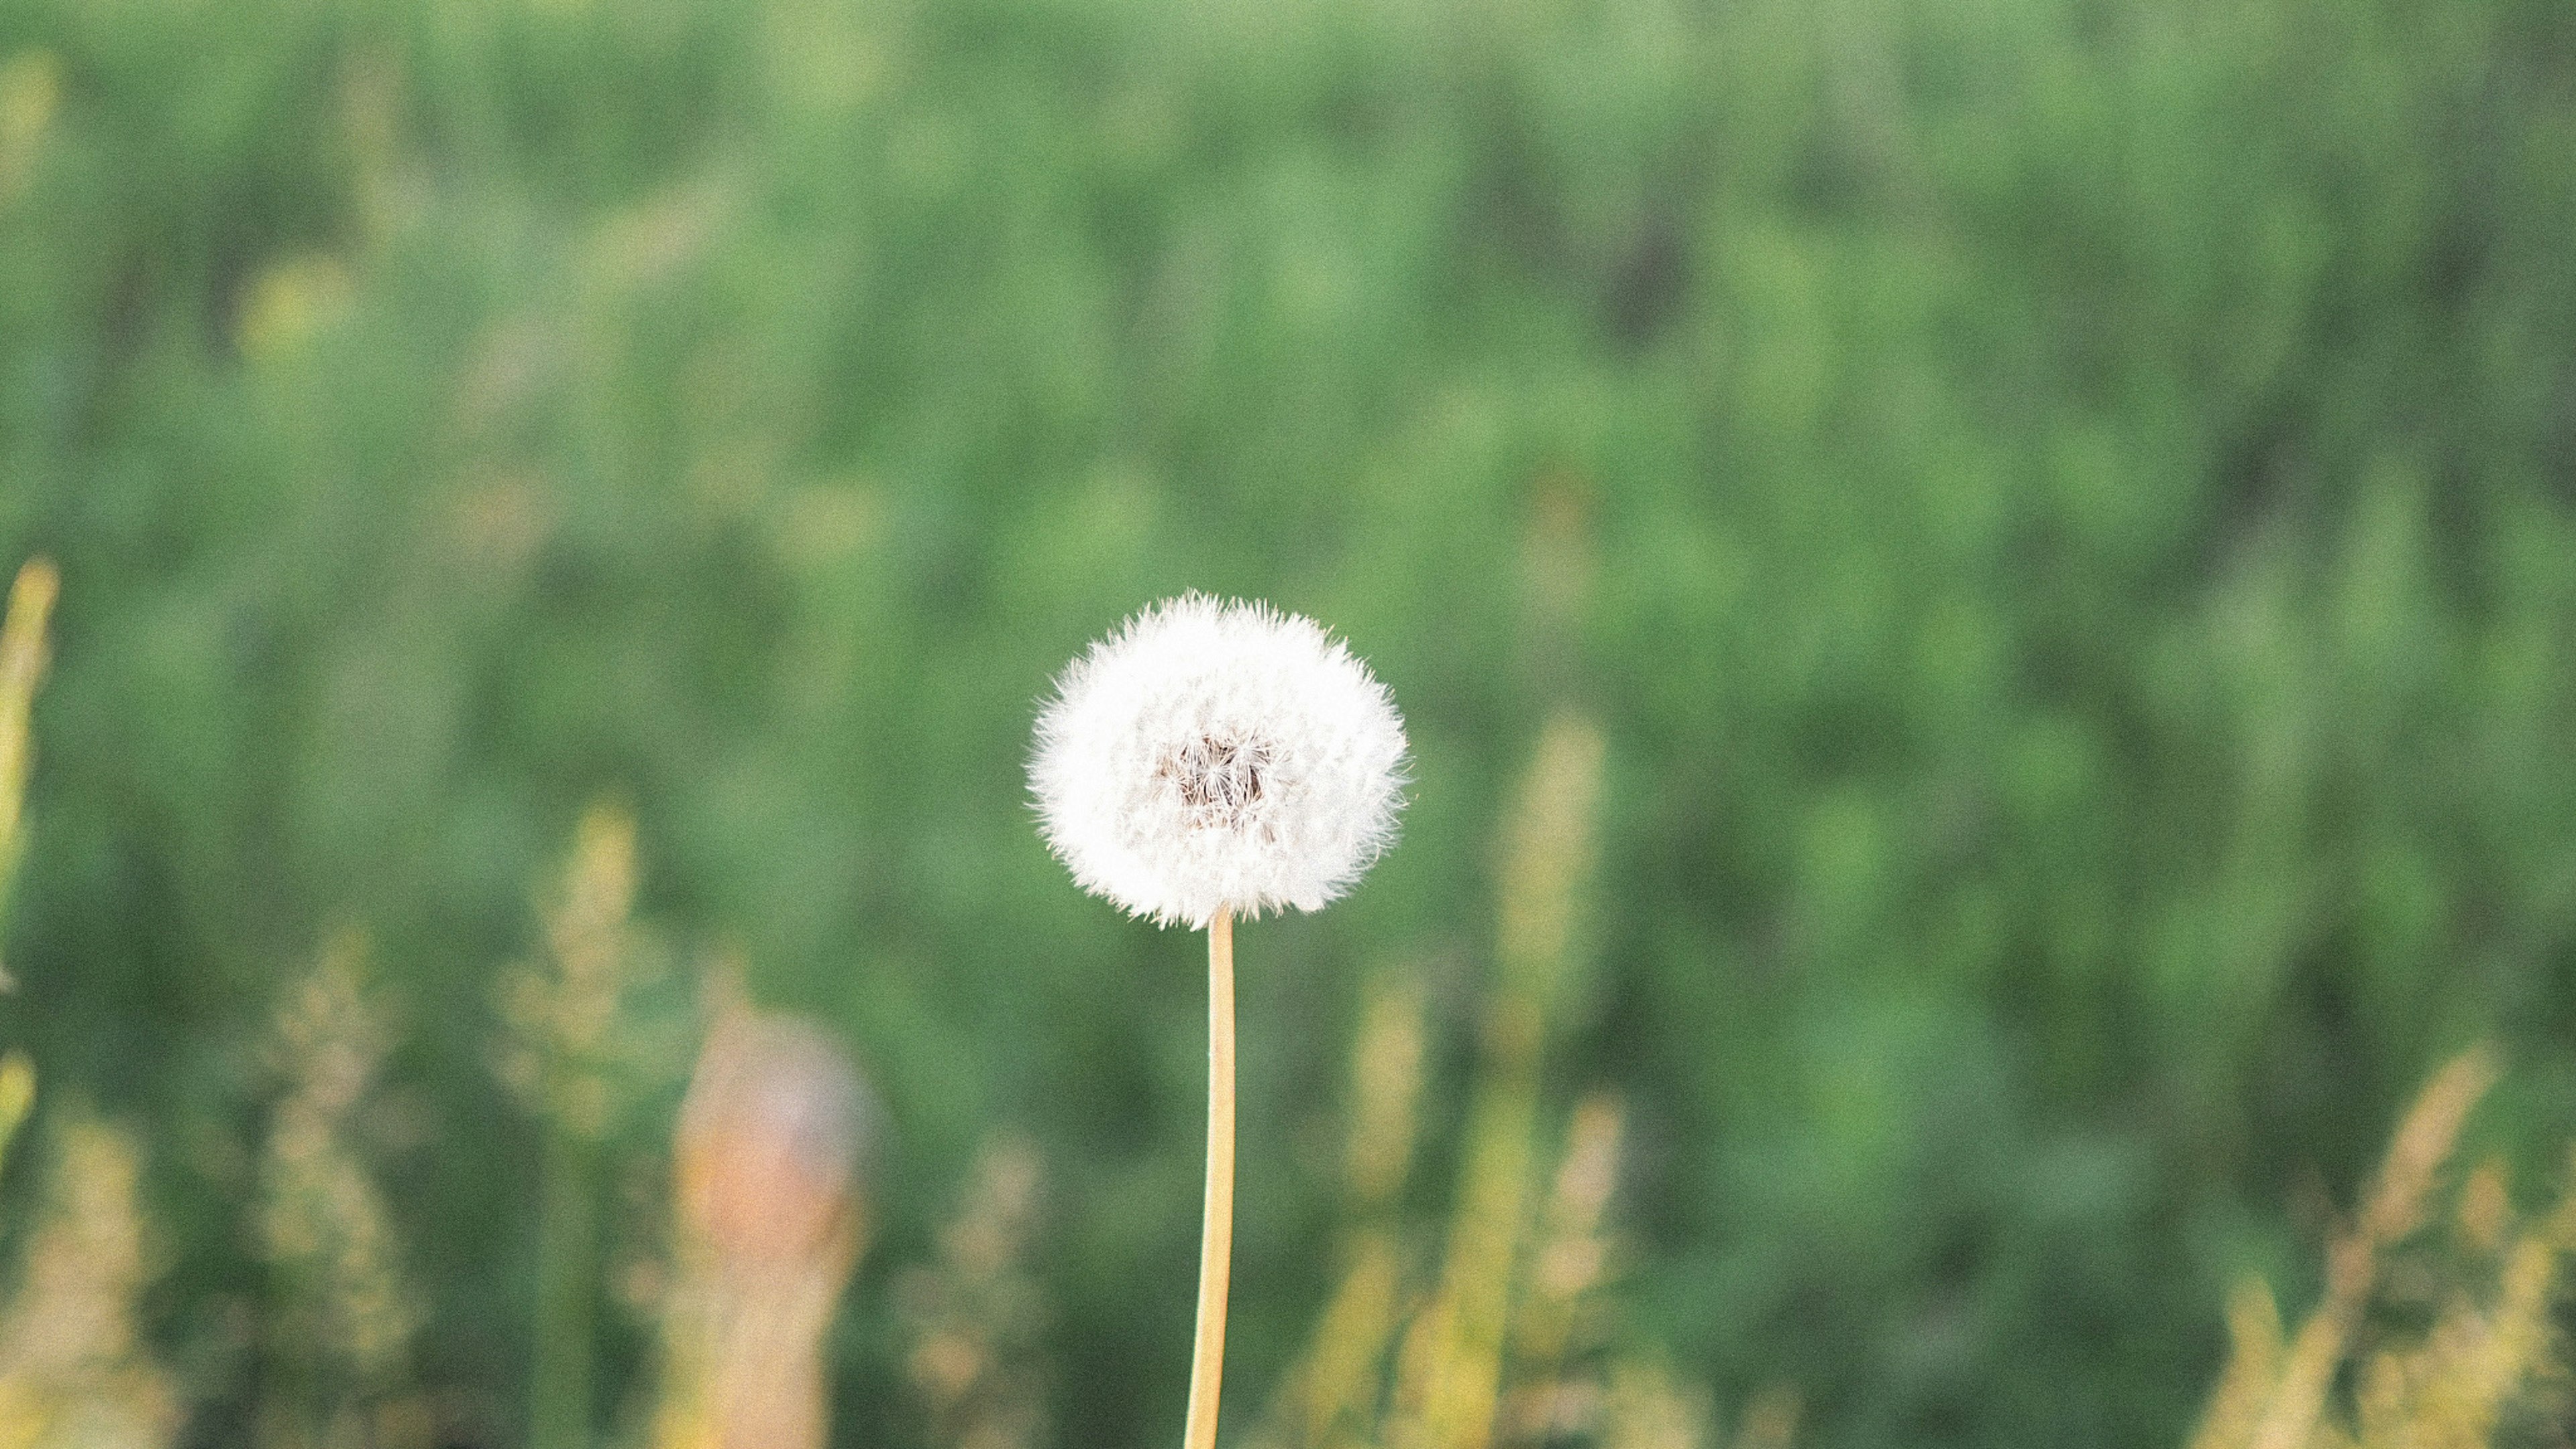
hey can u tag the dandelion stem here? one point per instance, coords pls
(1216, 1229)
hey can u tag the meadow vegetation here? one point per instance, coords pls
(2036, 533)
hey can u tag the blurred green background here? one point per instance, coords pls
(2065, 510)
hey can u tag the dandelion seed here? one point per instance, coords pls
(1215, 759)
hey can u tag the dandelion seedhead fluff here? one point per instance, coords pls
(1215, 755)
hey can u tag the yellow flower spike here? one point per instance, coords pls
(31, 91)
(289, 302)
(23, 656)
(17, 1097)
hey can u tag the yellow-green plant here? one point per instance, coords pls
(972, 1315)
(571, 1054)
(1449, 1370)
(74, 1370)
(17, 1098)
(1561, 1318)
(1331, 1395)
(2489, 1350)
(1509, 1335)
(340, 1313)
(23, 656)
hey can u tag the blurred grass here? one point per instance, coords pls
(2062, 509)
(2452, 1338)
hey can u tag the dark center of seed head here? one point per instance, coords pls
(1220, 779)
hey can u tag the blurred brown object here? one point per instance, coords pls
(770, 1221)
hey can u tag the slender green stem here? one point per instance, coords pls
(1216, 1227)
(567, 1232)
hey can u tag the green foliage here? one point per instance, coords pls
(2064, 508)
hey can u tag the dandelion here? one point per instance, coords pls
(1215, 759)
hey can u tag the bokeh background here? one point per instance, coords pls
(2062, 511)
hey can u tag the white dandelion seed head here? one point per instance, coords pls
(1217, 755)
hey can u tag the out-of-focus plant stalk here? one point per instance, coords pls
(75, 1370)
(1449, 1376)
(975, 1315)
(23, 656)
(562, 1060)
(17, 1098)
(2276, 1395)
(31, 91)
(1569, 1260)
(1329, 1396)
(341, 1315)
(559, 1377)
(2394, 1207)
